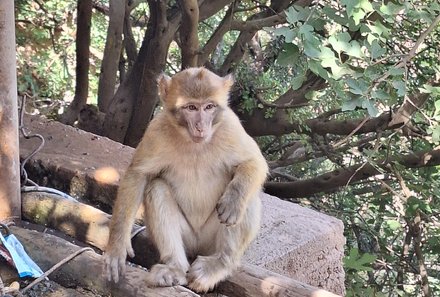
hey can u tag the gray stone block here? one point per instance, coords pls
(300, 243)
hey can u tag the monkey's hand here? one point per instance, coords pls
(114, 259)
(229, 208)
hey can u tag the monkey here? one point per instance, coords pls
(199, 176)
(90, 119)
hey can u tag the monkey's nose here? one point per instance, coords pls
(199, 127)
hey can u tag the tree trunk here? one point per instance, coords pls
(9, 158)
(83, 21)
(112, 52)
(188, 33)
(122, 122)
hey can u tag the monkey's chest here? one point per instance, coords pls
(197, 190)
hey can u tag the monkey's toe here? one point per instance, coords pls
(162, 275)
(205, 272)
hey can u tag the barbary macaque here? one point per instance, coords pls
(199, 176)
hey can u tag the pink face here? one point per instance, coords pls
(198, 119)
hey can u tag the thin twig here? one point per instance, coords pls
(55, 267)
(351, 133)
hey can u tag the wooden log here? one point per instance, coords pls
(9, 153)
(83, 222)
(86, 270)
(91, 225)
(252, 281)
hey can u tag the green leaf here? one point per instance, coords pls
(316, 68)
(394, 71)
(435, 133)
(351, 104)
(292, 15)
(369, 105)
(358, 15)
(297, 82)
(393, 224)
(328, 60)
(413, 204)
(376, 50)
(358, 262)
(366, 5)
(355, 49)
(289, 55)
(400, 86)
(306, 30)
(349, 6)
(380, 94)
(357, 86)
(379, 29)
(311, 50)
(340, 42)
(437, 106)
(335, 15)
(297, 13)
(288, 33)
(390, 8)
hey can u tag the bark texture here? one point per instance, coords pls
(9, 154)
(84, 22)
(112, 52)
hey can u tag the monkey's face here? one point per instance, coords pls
(198, 119)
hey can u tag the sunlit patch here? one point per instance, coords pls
(274, 286)
(107, 175)
(322, 293)
(268, 286)
(426, 158)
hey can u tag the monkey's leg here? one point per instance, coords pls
(230, 243)
(167, 226)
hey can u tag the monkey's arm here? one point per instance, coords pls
(129, 198)
(247, 181)
(144, 167)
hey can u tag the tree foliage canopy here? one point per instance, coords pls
(342, 97)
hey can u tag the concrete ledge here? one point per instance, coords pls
(294, 241)
(300, 243)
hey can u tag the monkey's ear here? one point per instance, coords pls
(163, 84)
(228, 81)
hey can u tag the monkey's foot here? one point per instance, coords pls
(161, 275)
(205, 272)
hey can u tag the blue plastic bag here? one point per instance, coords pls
(24, 264)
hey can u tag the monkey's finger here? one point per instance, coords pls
(221, 207)
(107, 269)
(121, 264)
(130, 251)
(114, 271)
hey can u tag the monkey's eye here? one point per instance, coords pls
(191, 107)
(210, 106)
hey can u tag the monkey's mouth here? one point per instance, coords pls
(198, 139)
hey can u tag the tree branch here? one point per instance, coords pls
(280, 123)
(217, 36)
(238, 49)
(188, 33)
(258, 24)
(341, 177)
(210, 7)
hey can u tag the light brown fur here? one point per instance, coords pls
(201, 199)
